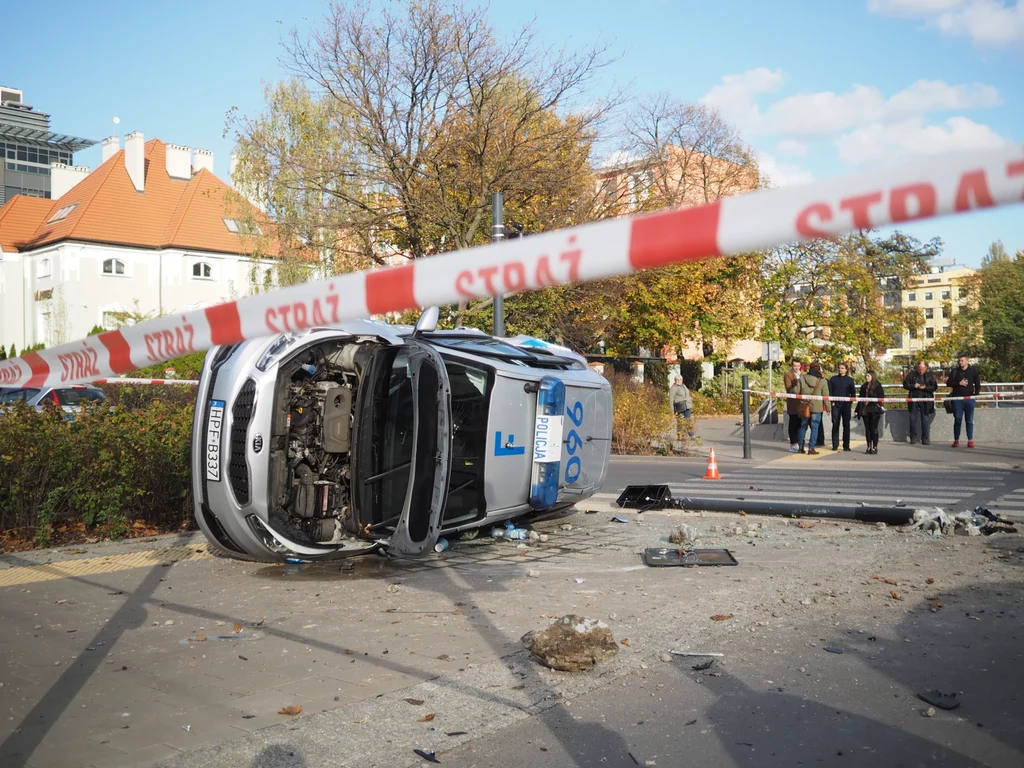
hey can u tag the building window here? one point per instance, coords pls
(62, 213)
(202, 271)
(929, 313)
(242, 227)
(945, 312)
(928, 296)
(113, 267)
(944, 295)
(962, 292)
(929, 332)
(913, 333)
(44, 268)
(911, 297)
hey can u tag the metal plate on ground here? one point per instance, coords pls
(660, 556)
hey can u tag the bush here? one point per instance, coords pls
(641, 418)
(731, 404)
(104, 470)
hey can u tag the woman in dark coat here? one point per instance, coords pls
(871, 412)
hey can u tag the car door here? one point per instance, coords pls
(417, 529)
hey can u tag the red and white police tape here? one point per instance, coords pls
(938, 399)
(155, 382)
(932, 186)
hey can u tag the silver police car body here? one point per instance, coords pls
(338, 441)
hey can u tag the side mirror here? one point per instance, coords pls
(427, 321)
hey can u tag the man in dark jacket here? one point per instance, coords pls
(921, 385)
(964, 381)
(841, 385)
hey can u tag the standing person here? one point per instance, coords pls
(682, 405)
(841, 385)
(792, 381)
(922, 385)
(811, 383)
(871, 413)
(964, 381)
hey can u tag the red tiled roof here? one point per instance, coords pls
(19, 219)
(168, 213)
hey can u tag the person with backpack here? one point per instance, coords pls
(811, 383)
(963, 381)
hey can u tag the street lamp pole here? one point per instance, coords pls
(497, 235)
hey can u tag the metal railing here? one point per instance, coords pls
(991, 387)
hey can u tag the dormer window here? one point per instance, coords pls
(113, 267)
(62, 213)
(202, 271)
(242, 227)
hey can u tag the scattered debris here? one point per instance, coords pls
(428, 718)
(580, 580)
(930, 712)
(666, 657)
(619, 519)
(625, 642)
(533, 574)
(294, 709)
(414, 702)
(237, 628)
(721, 617)
(663, 556)
(703, 665)
(457, 733)
(393, 588)
(572, 643)
(186, 728)
(832, 649)
(428, 756)
(695, 653)
(940, 699)
(895, 595)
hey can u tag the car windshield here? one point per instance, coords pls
(486, 346)
(471, 397)
(80, 396)
(394, 447)
(18, 395)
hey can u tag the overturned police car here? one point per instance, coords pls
(366, 436)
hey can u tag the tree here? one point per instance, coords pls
(842, 297)
(400, 123)
(3, 353)
(1000, 312)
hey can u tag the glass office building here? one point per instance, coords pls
(27, 147)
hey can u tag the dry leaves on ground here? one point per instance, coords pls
(721, 617)
(625, 642)
(237, 627)
(895, 595)
(414, 702)
(294, 709)
(428, 718)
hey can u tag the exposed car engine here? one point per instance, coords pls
(310, 464)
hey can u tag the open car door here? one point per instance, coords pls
(403, 449)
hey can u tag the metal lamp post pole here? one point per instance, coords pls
(497, 235)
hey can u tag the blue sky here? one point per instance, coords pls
(817, 88)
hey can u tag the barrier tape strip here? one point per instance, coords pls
(838, 399)
(157, 382)
(932, 186)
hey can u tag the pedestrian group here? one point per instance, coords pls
(806, 414)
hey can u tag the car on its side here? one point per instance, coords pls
(337, 441)
(71, 399)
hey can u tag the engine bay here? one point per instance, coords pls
(310, 462)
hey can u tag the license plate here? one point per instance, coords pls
(215, 422)
(547, 439)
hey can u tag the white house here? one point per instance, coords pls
(149, 229)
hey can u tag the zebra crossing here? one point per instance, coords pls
(1009, 504)
(949, 490)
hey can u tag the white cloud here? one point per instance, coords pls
(887, 141)
(824, 114)
(781, 174)
(984, 22)
(735, 96)
(912, 7)
(791, 148)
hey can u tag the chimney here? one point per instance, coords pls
(64, 177)
(111, 146)
(135, 159)
(202, 158)
(231, 168)
(179, 162)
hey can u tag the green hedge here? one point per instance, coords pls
(106, 469)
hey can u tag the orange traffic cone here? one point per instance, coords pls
(712, 473)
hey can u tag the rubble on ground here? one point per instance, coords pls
(572, 644)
